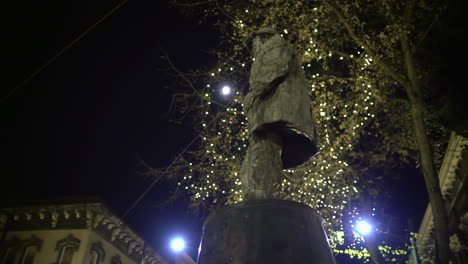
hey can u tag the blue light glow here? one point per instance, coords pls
(177, 244)
(363, 227)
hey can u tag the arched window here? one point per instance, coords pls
(67, 255)
(29, 255)
(31, 247)
(10, 251)
(66, 248)
(97, 253)
(9, 256)
(19, 251)
(94, 257)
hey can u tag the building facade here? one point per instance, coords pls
(73, 232)
(453, 178)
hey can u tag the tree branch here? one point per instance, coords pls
(190, 84)
(384, 65)
(414, 88)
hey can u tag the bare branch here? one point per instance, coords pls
(189, 83)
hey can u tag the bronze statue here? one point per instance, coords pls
(279, 116)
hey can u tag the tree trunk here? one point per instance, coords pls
(436, 200)
(439, 212)
(431, 179)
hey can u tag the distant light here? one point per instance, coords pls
(177, 244)
(363, 227)
(226, 90)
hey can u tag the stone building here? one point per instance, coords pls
(453, 177)
(68, 232)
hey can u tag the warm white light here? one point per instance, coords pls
(363, 227)
(226, 90)
(177, 244)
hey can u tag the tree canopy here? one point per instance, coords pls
(357, 72)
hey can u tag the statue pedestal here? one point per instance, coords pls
(265, 231)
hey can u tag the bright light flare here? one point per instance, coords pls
(363, 228)
(226, 90)
(177, 244)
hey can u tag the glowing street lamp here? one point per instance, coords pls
(363, 228)
(177, 244)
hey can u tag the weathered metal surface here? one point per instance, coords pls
(278, 106)
(278, 97)
(265, 232)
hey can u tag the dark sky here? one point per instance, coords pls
(79, 126)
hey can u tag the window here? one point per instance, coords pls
(96, 253)
(9, 256)
(94, 257)
(29, 255)
(66, 248)
(20, 251)
(67, 255)
(30, 248)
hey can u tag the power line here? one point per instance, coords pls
(73, 42)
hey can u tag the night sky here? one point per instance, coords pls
(80, 127)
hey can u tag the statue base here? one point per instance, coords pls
(265, 231)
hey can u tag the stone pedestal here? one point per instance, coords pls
(265, 232)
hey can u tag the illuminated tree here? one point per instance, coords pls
(367, 93)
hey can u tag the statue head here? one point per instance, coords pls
(257, 38)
